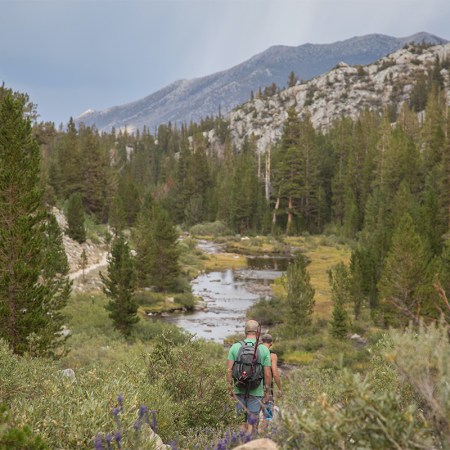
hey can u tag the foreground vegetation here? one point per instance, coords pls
(399, 400)
(390, 392)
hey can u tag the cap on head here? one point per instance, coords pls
(251, 326)
(267, 338)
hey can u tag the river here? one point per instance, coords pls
(228, 294)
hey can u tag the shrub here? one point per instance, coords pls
(217, 228)
(422, 358)
(193, 374)
(363, 418)
(69, 413)
(266, 312)
(17, 438)
(186, 300)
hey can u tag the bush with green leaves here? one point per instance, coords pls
(193, 374)
(267, 312)
(217, 228)
(70, 413)
(359, 417)
(421, 356)
(12, 437)
(403, 401)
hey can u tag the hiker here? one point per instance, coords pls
(267, 340)
(246, 388)
(269, 407)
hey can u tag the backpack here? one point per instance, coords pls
(247, 373)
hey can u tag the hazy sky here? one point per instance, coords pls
(71, 55)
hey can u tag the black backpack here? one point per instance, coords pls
(247, 371)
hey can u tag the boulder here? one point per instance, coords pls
(69, 373)
(258, 444)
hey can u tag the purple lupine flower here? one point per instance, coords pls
(173, 445)
(154, 424)
(142, 410)
(115, 413)
(234, 438)
(98, 442)
(137, 425)
(120, 400)
(247, 438)
(118, 438)
(252, 419)
(108, 439)
(222, 445)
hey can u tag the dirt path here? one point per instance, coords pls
(87, 270)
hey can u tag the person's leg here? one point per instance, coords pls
(242, 412)
(254, 407)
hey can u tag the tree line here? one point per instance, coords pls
(372, 180)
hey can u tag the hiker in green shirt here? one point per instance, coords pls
(249, 401)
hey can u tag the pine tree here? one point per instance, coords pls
(33, 287)
(341, 295)
(116, 217)
(163, 250)
(95, 166)
(292, 80)
(156, 249)
(404, 279)
(70, 176)
(75, 218)
(339, 321)
(56, 262)
(299, 299)
(119, 285)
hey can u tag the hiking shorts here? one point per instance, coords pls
(251, 404)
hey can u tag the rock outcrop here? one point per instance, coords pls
(345, 91)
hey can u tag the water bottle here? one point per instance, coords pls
(268, 410)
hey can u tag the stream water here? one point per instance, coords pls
(228, 294)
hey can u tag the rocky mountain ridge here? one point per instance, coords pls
(191, 100)
(343, 91)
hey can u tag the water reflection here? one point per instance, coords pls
(278, 263)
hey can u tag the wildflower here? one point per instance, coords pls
(142, 410)
(154, 425)
(252, 419)
(118, 438)
(98, 442)
(108, 439)
(120, 400)
(173, 445)
(137, 425)
(115, 412)
(222, 444)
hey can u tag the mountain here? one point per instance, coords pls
(191, 100)
(344, 91)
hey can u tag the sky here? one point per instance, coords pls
(74, 55)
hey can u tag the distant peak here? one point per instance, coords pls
(87, 112)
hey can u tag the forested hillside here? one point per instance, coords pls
(382, 178)
(376, 183)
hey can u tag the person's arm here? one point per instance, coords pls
(275, 373)
(267, 382)
(229, 376)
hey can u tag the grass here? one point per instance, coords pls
(323, 252)
(94, 341)
(223, 261)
